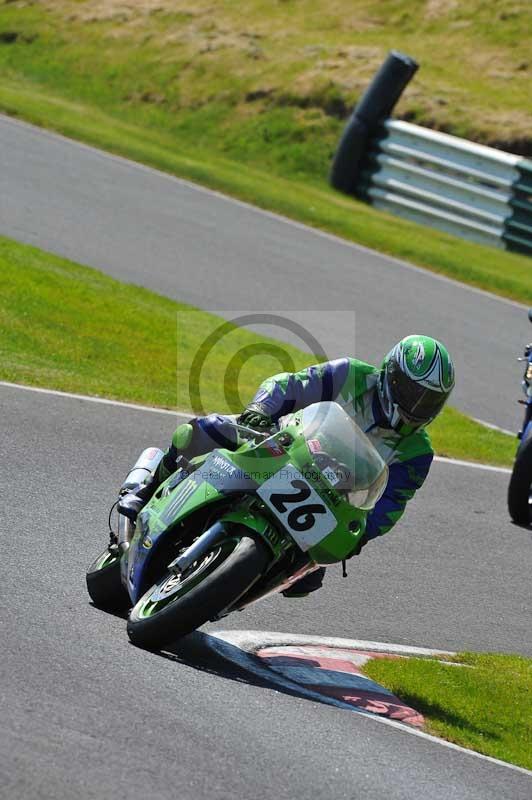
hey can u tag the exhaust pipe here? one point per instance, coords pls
(146, 463)
(144, 466)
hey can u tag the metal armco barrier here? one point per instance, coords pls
(452, 184)
(477, 192)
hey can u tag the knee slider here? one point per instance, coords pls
(183, 436)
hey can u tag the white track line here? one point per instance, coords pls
(247, 643)
(493, 427)
(89, 399)
(473, 465)
(180, 415)
(386, 259)
(247, 640)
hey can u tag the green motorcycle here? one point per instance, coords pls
(231, 527)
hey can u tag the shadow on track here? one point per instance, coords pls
(195, 651)
(526, 526)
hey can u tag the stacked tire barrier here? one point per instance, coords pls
(469, 190)
(376, 105)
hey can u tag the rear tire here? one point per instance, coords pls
(520, 488)
(177, 605)
(104, 583)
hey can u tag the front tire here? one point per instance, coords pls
(520, 488)
(104, 583)
(177, 605)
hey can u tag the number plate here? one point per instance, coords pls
(298, 506)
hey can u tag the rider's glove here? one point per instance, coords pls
(255, 419)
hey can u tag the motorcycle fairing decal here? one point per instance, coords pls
(226, 476)
(175, 479)
(274, 448)
(179, 498)
(330, 497)
(299, 508)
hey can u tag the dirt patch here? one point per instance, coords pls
(517, 124)
(439, 8)
(109, 10)
(518, 140)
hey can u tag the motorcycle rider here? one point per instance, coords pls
(392, 404)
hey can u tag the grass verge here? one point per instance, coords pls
(199, 92)
(456, 435)
(72, 328)
(485, 704)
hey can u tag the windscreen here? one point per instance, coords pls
(344, 454)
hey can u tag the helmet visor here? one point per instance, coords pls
(417, 404)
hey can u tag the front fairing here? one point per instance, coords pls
(281, 467)
(177, 497)
(217, 477)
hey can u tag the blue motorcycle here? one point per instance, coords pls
(520, 488)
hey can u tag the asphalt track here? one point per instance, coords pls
(190, 244)
(85, 714)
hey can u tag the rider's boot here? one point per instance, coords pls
(133, 502)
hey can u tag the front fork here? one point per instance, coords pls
(218, 531)
(126, 531)
(256, 524)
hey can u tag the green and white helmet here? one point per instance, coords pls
(416, 379)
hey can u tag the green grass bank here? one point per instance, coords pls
(59, 328)
(485, 704)
(203, 91)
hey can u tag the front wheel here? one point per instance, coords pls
(520, 488)
(104, 583)
(178, 604)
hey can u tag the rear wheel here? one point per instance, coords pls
(178, 604)
(104, 583)
(520, 488)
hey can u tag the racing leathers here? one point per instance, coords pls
(353, 384)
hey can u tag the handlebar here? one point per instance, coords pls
(251, 431)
